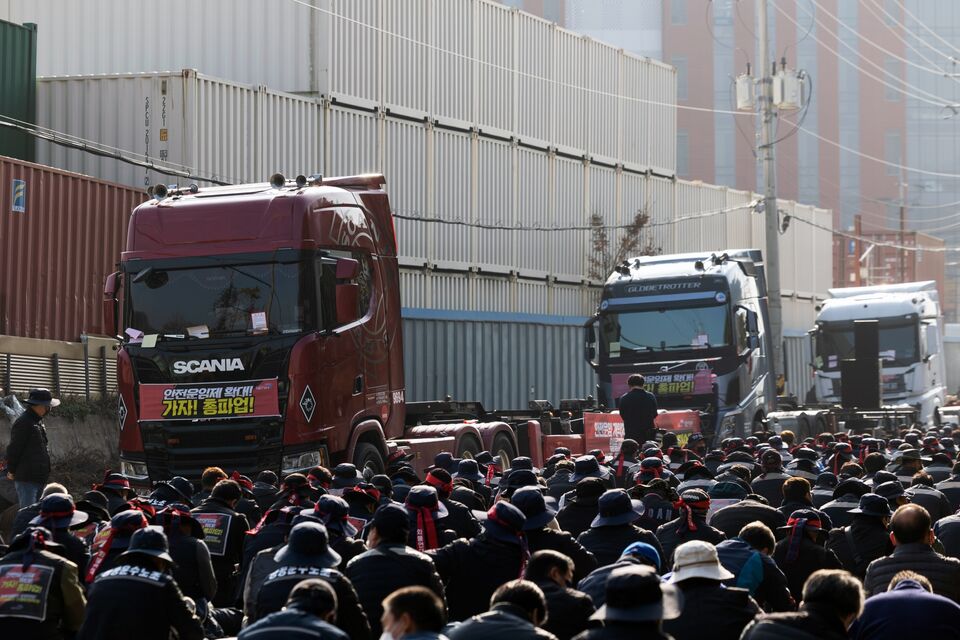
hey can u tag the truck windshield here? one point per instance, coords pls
(899, 346)
(657, 330)
(222, 300)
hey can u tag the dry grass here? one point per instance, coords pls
(81, 469)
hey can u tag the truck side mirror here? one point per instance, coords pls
(590, 339)
(753, 326)
(932, 340)
(753, 341)
(109, 310)
(348, 303)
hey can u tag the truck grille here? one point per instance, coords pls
(186, 449)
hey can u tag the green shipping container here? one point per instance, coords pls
(18, 87)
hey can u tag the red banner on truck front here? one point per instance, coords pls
(209, 400)
(604, 431)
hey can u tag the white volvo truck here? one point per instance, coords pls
(911, 343)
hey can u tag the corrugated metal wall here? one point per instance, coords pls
(501, 362)
(468, 63)
(60, 235)
(18, 86)
(798, 371)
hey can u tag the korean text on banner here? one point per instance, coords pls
(246, 399)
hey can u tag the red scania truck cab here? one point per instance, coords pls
(261, 328)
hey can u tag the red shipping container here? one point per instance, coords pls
(61, 234)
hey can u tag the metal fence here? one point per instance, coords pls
(92, 375)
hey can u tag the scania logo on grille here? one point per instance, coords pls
(181, 367)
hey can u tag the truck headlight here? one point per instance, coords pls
(133, 469)
(299, 461)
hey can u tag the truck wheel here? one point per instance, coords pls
(469, 447)
(367, 456)
(503, 447)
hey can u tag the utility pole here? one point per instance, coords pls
(771, 256)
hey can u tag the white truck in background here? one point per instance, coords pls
(911, 343)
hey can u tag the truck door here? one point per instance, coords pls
(376, 349)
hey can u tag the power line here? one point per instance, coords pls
(927, 29)
(869, 5)
(500, 227)
(936, 100)
(878, 243)
(88, 147)
(934, 71)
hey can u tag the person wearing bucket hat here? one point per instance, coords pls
(58, 607)
(116, 487)
(909, 462)
(459, 516)
(176, 490)
(140, 597)
(800, 552)
(469, 469)
(334, 513)
(112, 541)
(59, 515)
(28, 459)
(846, 496)
(866, 538)
(94, 504)
(578, 508)
(589, 467)
(636, 604)
(193, 569)
(306, 555)
(923, 493)
(345, 475)
(445, 460)
(540, 513)
(823, 487)
(297, 490)
(389, 564)
(699, 576)
(428, 526)
(474, 569)
(652, 468)
(940, 467)
(691, 524)
(613, 529)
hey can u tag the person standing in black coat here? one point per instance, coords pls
(28, 460)
(224, 534)
(139, 598)
(801, 552)
(613, 530)
(866, 538)
(698, 574)
(473, 570)
(541, 536)
(389, 564)
(638, 408)
(568, 610)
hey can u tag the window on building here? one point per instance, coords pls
(893, 70)
(891, 151)
(680, 63)
(678, 12)
(683, 153)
